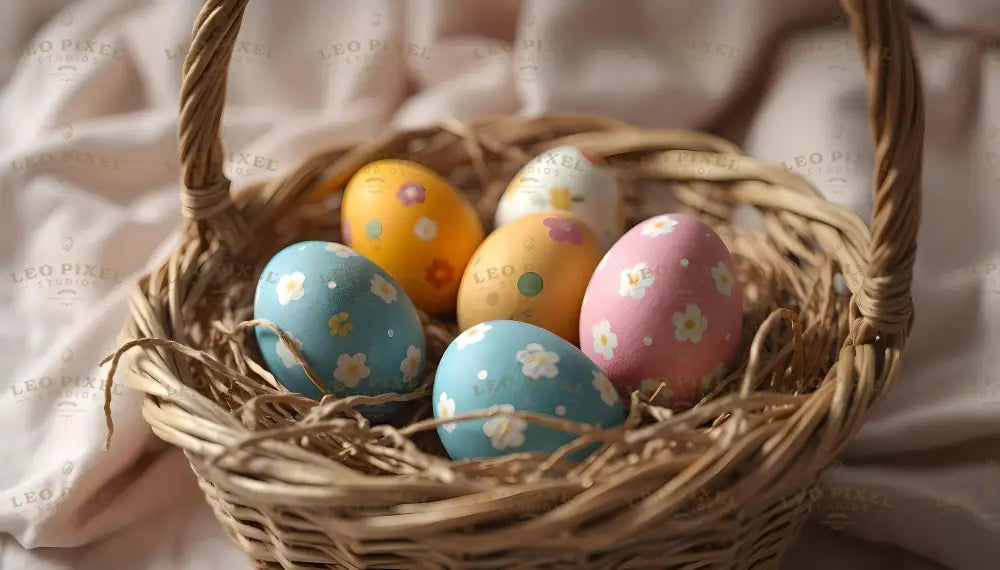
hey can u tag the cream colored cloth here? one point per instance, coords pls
(88, 200)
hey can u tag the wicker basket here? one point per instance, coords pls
(727, 484)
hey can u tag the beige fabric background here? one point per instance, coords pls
(88, 167)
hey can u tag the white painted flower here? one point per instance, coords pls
(536, 361)
(723, 278)
(285, 354)
(351, 369)
(634, 281)
(605, 387)
(411, 364)
(658, 226)
(690, 324)
(473, 335)
(605, 341)
(384, 289)
(341, 250)
(425, 229)
(446, 409)
(505, 432)
(290, 287)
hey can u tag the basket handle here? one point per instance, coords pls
(896, 114)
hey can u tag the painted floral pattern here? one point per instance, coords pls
(561, 229)
(425, 229)
(605, 341)
(634, 282)
(723, 279)
(341, 250)
(603, 385)
(411, 193)
(537, 362)
(446, 409)
(505, 432)
(351, 369)
(690, 324)
(285, 354)
(291, 287)
(473, 335)
(410, 365)
(383, 289)
(659, 225)
(440, 273)
(340, 324)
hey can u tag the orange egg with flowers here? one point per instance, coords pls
(535, 270)
(415, 225)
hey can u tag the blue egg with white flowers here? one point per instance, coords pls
(518, 366)
(351, 321)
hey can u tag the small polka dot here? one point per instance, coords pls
(492, 299)
(390, 332)
(529, 284)
(684, 262)
(560, 410)
(373, 228)
(647, 341)
(482, 375)
(331, 285)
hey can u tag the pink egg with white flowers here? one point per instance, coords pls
(663, 307)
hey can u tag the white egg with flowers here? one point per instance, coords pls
(566, 179)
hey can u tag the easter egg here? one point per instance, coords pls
(413, 224)
(534, 269)
(564, 179)
(350, 320)
(663, 307)
(518, 367)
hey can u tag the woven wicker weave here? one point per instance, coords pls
(726, 484)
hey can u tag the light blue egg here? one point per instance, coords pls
(354, 325)
(529, 369)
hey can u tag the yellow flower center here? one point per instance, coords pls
(689, 324)
(352, 369)
(504, 427)
(604, 339)
(445, 412)
(633, 279)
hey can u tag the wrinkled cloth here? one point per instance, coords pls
(88, 187)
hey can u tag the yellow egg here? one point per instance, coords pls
(535, 270)
(412, 223)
